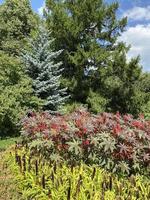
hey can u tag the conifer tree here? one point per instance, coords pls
(96, 67)
(45, 73)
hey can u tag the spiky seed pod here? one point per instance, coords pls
(20, 163)
(49, 193)
(15, 146)
(72, 167)
(55, 167)
(26, 146)
(36, 168)
(29, 163)
(110, 183)
(43, 181)
(16, 157)
(52, 176)
(93, 174)
(69, 191)
(103, 191)
(61, 181)
(24, 162)
(120, 189)
(137, 194)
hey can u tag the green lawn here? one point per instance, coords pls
(4, 143)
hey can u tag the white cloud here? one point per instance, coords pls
(139, 38)
(40, 10)
(138, 13)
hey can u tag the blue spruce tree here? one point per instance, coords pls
(45, 73)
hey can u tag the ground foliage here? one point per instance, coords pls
(42, 179)
(118, 143)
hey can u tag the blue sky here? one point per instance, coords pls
(36, 4)
(138, 30)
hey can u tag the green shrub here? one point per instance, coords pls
(16, 95)
(146, 110)
(71, 107)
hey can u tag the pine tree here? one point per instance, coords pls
(45, 73)
(95, 62)
(88, 31)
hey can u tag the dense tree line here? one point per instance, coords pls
(17, 21)
(95, 68)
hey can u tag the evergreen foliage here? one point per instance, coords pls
(46, 74)
(93, 58)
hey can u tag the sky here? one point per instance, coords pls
(137, 31)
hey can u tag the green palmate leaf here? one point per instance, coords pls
(110, 164)
(108, 143)
(124, 167)
(74, 147)
(56, 157)
(95, 141)
(142, 135)
(123, 148)
(136, 166)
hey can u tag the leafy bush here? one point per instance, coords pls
(71, 107)
(16, 94)
(146, 110)
(119, 143)
(42, 180)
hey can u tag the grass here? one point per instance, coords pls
(5, 143)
